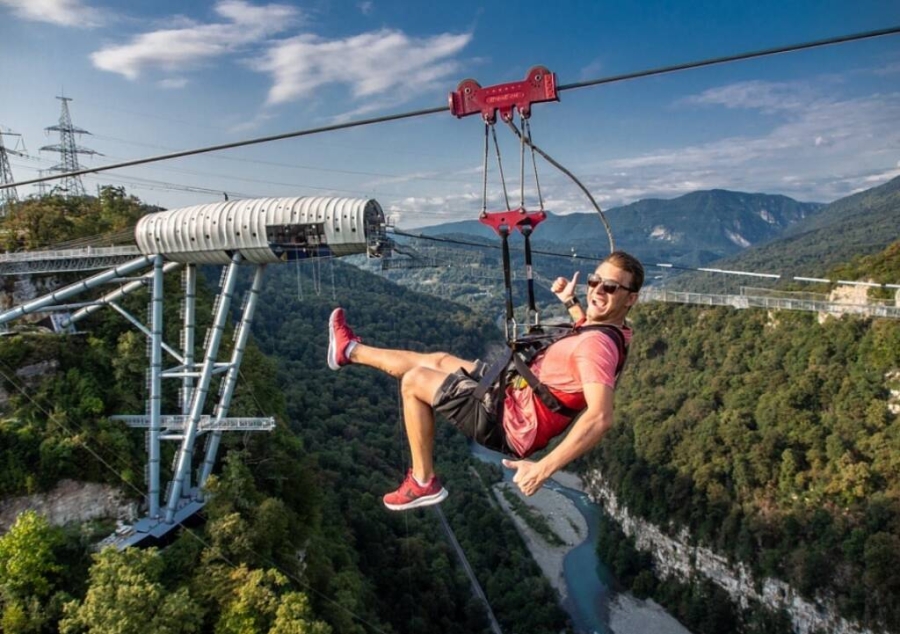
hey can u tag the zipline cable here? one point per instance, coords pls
(841, 39)
(766, 52)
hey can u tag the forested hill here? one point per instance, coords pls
(350, 422)
(692, 229)
(769, 436)
(294, 538)
(858, 225)
(774, 439)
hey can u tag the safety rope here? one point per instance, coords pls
(554, 163)
(499, 164)
(526, 126)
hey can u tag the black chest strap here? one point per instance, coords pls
(515, 363)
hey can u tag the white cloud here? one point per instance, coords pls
(192, 44)
(385, 67)
(591, 71)
(59, 12)
(770, 97)
(891, 68)
(366, 7)
(252, 124)
(369, 63)
(821, 150)
(172, 83)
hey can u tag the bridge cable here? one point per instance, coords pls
(662, 265)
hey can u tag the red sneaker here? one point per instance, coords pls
(411, 495)
(339, 337)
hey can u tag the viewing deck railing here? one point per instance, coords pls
(58, 261)
(774, 302)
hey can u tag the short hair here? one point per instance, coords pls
(629, 264)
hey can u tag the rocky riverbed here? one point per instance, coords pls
(627, 614)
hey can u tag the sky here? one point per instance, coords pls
(152, 77)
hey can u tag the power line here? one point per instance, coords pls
(662, 265)
(226, 146)
(842, 39)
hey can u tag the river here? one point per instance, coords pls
(591, 602)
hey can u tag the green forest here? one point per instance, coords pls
(295, 538)
(768, 436)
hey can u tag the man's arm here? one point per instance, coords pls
(584, 435)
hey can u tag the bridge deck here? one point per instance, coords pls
(771, 302)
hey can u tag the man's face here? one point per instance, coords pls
(603, 305)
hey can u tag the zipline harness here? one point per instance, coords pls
(470, 98)
(514, 365)
(507, 99)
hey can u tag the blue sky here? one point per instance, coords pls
(147, 78)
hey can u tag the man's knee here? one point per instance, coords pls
(435, 360)
(419, 383)
(448, 363)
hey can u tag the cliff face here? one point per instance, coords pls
(677, 557)
(70, 501)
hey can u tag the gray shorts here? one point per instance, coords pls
(479, 419)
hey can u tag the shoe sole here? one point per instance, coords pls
(426, 500)
(332, 353)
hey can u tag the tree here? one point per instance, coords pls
(27, 563)
(295, 616)
(126, 596)
(256, 605)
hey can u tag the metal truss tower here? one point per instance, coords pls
(8, 196)
(68, 151)
(251, 233)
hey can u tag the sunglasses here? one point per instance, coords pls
(608, 286)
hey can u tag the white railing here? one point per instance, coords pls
(207, 423)
(70, 254)
(772, 303)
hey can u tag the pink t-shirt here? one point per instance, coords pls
(565, 367)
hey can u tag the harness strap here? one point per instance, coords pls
(493, 373)
(498, 374)
(544, 393)
(541, 390)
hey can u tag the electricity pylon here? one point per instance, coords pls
(68, 151)
(8, 195)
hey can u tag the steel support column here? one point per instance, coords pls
(185, 454)
(231, 378)
(156, 334)
(117, 294)
(189, 281)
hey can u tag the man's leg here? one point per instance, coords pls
(398, 363)
(421, 487)
(419, 387)
(344, 347)
(421, 376)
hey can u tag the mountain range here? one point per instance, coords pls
(693, 229)
(735, 230)
(850, 228)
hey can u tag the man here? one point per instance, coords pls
(579, 370)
